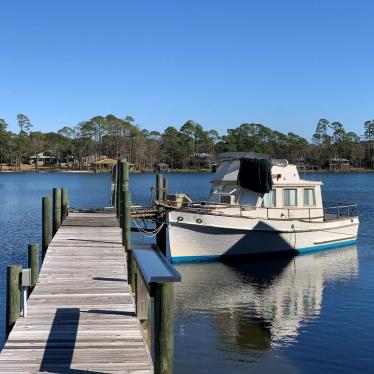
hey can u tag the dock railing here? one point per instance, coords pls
(151, 276)
(155, 278)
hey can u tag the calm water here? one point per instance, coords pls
(312, 314)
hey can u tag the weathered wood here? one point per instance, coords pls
(127, 216)
(132, 277)
(33, 262)
(13, 304)
(164, 328)
(81, 315)
(161, 234)
(56, 210)
(64, 203)
(159, 187)
(141, 298)
(144, 213)
(46, 224)
(118, 196)
(165, 189)
(123, 166)
(126, 206)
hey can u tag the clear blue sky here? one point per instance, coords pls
(221, 63)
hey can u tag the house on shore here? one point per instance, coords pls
(104, 165)
(162, 168)
(48, 158)
(339, 164)
(45, 158)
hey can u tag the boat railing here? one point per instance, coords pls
(330, 211)
(339, 211)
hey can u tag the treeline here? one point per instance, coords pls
(190, 146)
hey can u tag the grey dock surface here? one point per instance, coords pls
(81, 316)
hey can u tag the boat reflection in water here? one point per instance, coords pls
(262, 304)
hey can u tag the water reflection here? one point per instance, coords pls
(257, 305)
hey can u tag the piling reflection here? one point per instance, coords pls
(256, 305)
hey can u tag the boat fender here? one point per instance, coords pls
(199, 220)
(180, 219)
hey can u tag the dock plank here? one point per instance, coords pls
(81, 315)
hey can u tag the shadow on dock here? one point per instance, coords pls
(110, 279)
(59, 350)
(111, 312)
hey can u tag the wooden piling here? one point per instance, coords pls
(165, 189)
(161, 234)
(46, 224)
(126, 224)
(118, 197)
(56, 210)
(164, 328)
(123, 170)
(64, 204)
(13, 305)
(33, 262)
(159, 187)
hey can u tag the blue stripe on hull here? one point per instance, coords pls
(325, 246)
(299, 250)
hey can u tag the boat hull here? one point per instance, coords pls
(199, 236)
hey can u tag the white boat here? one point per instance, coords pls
(290, 217)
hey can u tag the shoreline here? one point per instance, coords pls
(62, 170)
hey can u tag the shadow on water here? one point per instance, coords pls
(59, 350)
(258, 304)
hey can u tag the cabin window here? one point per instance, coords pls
(270, 199)
(225, 199)
(309, 197)
(225, 193)
(289, 197)
(227, 188)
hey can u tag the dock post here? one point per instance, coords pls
(64, 203)
(123, 174)
(159, 188)
(13, 304)
(46, 224)
(126, 223)
(165, 189)
(164, 328)
(33, 261)
(118, 197)
(126, 207)
(56, 210)
(161, 234)
(131, 266)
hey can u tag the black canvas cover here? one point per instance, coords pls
(255, 175)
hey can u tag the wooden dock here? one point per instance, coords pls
(81, 315)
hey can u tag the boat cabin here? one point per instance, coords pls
(290, 196)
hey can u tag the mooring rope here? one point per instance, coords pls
(141, 225)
